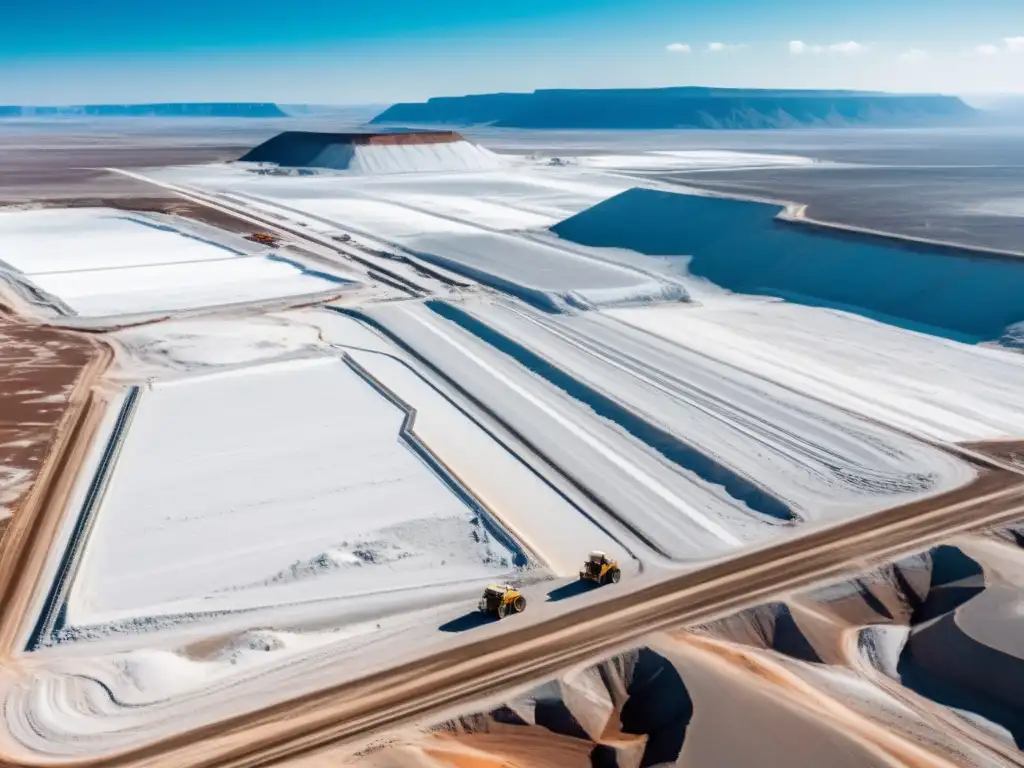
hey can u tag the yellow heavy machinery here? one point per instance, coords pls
(263, 239)
(600, 569)
(502, 599)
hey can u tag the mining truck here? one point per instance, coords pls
(263, 239)
(502, 599)
(600, 569)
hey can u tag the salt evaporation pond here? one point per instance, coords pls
(743, 246)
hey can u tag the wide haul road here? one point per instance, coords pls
(442, 682)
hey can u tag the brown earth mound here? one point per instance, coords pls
(965, 649)
(628, 712)
(939, 630)
(814, 627)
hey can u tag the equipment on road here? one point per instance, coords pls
(263, 239)
(501, 600)
(600, 569)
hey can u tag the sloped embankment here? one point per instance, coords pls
(745, 247)
(965, 649)
(628, 712)
(374, 153)
(688, 699)
(942, 625)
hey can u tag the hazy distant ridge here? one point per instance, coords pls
(687, 107)
(182, 109)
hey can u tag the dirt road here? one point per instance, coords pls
(30, 535)
(440, 683)
(40, 367)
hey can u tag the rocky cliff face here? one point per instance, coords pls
(661, 108)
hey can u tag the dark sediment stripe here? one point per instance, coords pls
(668, 445)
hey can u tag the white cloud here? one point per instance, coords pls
(724, 47)
(914, 55)
(1012, 45)
(799, 47)
(678, 48)
(848, 47)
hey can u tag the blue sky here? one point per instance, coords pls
(332, 51)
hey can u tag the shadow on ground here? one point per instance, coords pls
(571, 589)
(469, 621)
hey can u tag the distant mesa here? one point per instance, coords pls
(1006, 108)
(182, 109)
(374, 152)
(686, 107)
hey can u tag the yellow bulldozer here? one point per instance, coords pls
(600, 569)
(502, 599)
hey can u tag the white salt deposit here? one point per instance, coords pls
(423, 158)
(226, 481)
(102, 262)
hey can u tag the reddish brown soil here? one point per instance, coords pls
(171, 205)
(1010, 451)
(531, 748)
(31, 532)
(405, 139)
(38, 367)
